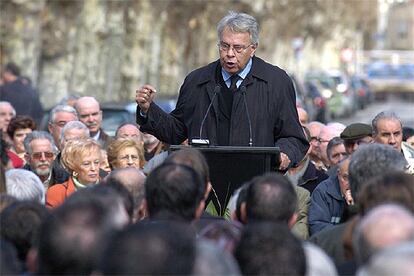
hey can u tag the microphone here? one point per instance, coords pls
(243, 91)
(202, 141)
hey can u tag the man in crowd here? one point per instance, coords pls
(384, 226)
(336, 151)
(315, 128)
(59, 116)
(387, 129)
(40, 154)
(20, 95)
(328, 200)
(174, 192)
(130, 131)
(327, 133)
(134, 181)
(90, 114)
(355, 135)
(236, 100)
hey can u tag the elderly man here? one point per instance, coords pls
(238, 100)
(355, 135)
(90, 114)
(40, 154)
(329, 199)
(327, 133)
(131, 131)
(336, 151)
(59, 116)
(387, 129)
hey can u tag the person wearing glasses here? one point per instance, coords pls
(82, 158)
(238, 100)
(41, 152)
(124, 153)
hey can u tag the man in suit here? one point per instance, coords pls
(90, 114)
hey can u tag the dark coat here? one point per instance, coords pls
(104, 139)
(23, 98)
(327, 205)
(59, 174)
(270, 99)
(311, 178)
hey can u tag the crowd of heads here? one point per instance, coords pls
(76, 201)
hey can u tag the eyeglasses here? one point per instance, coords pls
(320, 140)
(39, 155)
(60, 124)
(238, 48)
(128, 157)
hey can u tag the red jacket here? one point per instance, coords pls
(57, 194)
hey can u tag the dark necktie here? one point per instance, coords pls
(233, 80)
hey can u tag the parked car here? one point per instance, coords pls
(362, 91)
(336, 105)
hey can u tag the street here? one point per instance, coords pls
(404, 109)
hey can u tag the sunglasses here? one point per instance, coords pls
(47, 155)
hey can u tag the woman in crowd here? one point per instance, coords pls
(17, 130)
(123, 153)
(82, 158)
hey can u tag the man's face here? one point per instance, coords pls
(91, 115)
(338, 153)
(41, 158)
(6, 114)
(131, 132)
(389, 133)
(352, 146)
(60, 120)
(343, 177)
(73, 134)
(231, 60)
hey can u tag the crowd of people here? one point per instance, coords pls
(74, 200)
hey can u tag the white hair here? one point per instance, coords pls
(25, 185)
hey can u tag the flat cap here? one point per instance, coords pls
(356, 131)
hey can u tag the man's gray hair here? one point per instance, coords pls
(61, 108)
(373, 160)
(4, 103)
(35, 135)
(385, 219)
(25, 185)
(74, 125)
(239, 23)
(389, 115)
(396, 260)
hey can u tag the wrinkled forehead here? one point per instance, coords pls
(128, 129)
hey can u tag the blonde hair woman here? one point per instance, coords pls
(82, 159)
(123, 153)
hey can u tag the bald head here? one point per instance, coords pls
(327, 133)
(89, 113)
(303, 116)
(384, 226)
(134, 181)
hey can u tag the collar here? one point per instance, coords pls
(242, 74)
(47, 181)
(333, 188)
(96, 136)
(259, 69)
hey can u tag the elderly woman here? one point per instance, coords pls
(82, 158)
(17, 130)
(123, 153)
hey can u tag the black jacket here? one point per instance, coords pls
(23, 98)
(270, 99)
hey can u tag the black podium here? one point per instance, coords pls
(231, 166)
